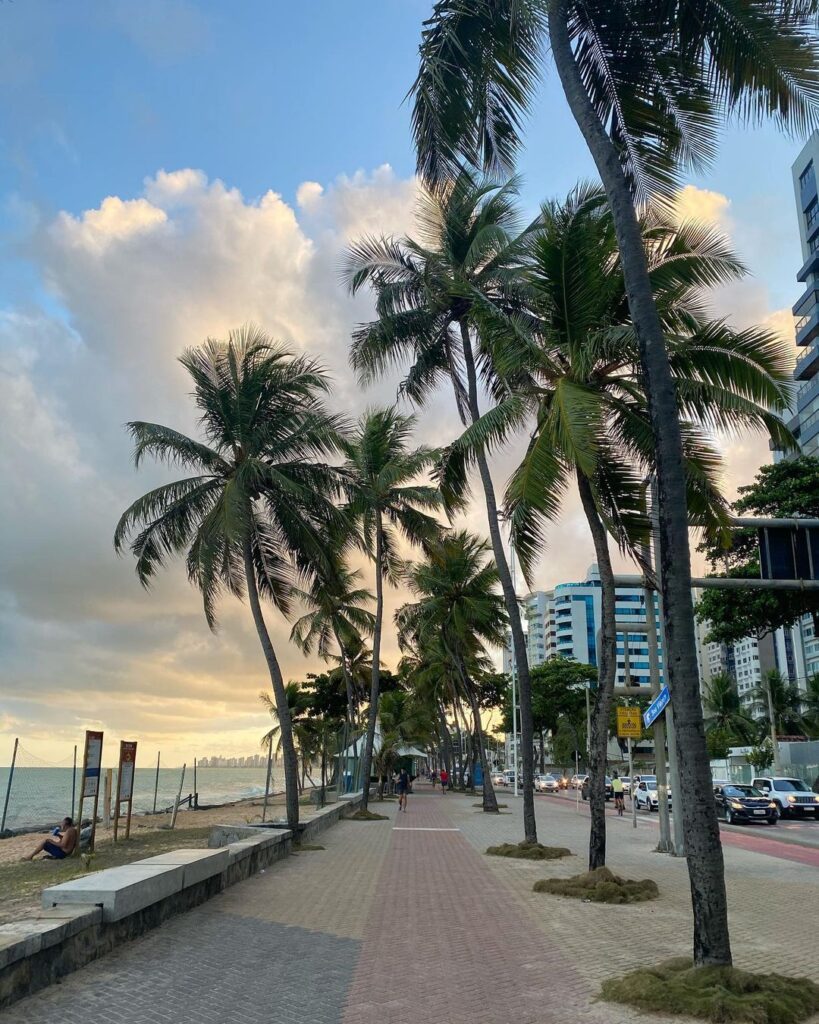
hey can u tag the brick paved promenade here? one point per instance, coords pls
(406, 921)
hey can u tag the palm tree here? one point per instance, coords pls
(338, 615)
(253, 517)
(459, 609)
(723, 710)
(648, 86)
(386, 502)
(580, 373)
(437, 298)
(297, 709)
(811, 704)
(786, 700)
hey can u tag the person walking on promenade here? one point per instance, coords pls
(402, 788)
(444, 781)
(617, 789)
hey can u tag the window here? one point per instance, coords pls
(812, 214)
(807, 177)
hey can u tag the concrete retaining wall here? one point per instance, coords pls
(87, 917)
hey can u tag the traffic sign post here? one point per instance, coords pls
(629, 723)
(656, 707)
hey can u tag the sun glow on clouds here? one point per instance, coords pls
(140, 278)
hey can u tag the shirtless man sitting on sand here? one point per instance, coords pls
(60, 845)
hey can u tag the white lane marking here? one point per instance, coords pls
(418, 828)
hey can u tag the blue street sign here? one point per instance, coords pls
(656, 707)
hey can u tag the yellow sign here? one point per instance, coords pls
(629, 723)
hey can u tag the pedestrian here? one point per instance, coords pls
(617, 789)
(433, 778)
(444, 781)
(59, 844)
(402, 786)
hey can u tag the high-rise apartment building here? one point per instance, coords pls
(805, 422)
(564, 622)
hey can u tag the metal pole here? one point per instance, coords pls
(73, 781)
(514, 676)
(677, 824)
(8, 786)
(269, 769)
(626, 681)
(665, 845)
(195, 790)
(774, 743)
(156, 780)
(576, 773)
(588, 724)
(178, 797)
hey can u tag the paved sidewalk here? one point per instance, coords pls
(406, 920)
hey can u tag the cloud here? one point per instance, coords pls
(134, 281)
(702, 204)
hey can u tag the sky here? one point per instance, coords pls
(169, 170)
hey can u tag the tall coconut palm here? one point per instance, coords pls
(460, 609)
(648, 85)
(436, 298)
(579, 371)
(338, 614)
(387, 503)
(724, 712)
(786, 699)
(253, 517)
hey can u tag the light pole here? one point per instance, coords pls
(514, 674)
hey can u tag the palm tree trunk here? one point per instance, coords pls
(288, 747)
(606, 673)
(703, 848)
(446, 743)
(372, 714)
(527, 731)
(351, 709)
(490, 800)
(542, 754)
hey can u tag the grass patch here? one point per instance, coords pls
(600, 886)
(528, 851)
(719, 994)
(362, 815)
(22, 882)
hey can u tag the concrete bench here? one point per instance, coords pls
(119, 891)
(197, 865)
(42, 929)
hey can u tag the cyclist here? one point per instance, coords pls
(617, 789)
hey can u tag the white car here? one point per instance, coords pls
(498, 779)
(645, 794)
(793, 796)
(546, 784)
(509, 777)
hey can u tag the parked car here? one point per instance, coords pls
(626, 780)
(498, 779)
(576, 781)
(792, 796)
(584, 789)
(646, 794)
(637, 779)
(546, 784)
(741, 804)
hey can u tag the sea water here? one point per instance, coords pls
(42, 796)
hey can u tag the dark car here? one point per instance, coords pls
(584, 789)
(740, 803)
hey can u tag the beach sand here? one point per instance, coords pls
(244, 812)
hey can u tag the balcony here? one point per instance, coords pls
(810, 266)
(807, 328)
(808, 365)
(806, 395)
(805, 301)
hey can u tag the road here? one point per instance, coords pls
(784, 840)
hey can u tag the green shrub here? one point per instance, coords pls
(362, 815)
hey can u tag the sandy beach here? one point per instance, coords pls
(243, 812)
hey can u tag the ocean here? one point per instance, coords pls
(42, 796)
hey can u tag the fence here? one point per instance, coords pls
(39, 793)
